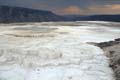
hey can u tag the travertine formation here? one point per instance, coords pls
(41, 51)
(112, 51)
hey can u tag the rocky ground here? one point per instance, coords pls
(112, 51)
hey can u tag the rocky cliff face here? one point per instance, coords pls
(18, 14)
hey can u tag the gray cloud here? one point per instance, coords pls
(58, 4)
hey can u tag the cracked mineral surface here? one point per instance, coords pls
(55, 51)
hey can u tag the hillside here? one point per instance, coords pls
(10, 14)
(18, 14)
(114, 18)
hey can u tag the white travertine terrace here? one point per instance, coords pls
(55, 51)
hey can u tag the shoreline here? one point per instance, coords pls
(112, 51)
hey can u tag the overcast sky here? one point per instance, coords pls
(63, 7)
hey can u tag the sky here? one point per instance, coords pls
(69, 7)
